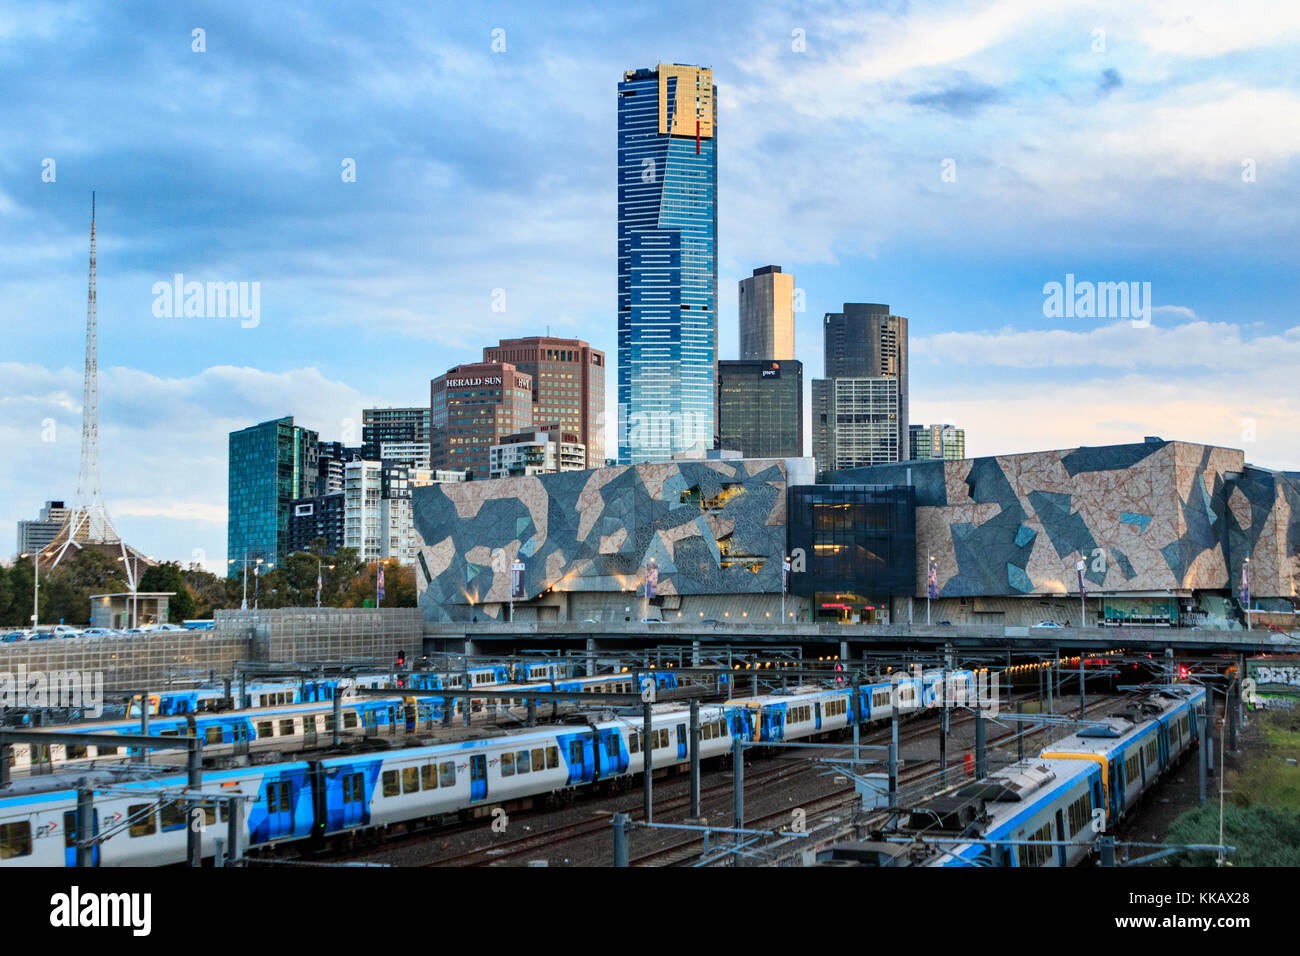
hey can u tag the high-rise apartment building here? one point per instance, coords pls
(271, 464)
(472, 407)
(333, 455)
(362, 491)
(937, 441)
(766, 303)
(667, 261)
(33, 536)
(396, 434)
(568, 386)
(538, 452)
(760, 408)
(860, 408)
(318, 517)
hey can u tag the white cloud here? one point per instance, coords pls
(1199, 347)
(162, 441)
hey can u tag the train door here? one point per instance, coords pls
(477, 777)
(70, 837)
(279, 808)
(369, 721)
(1060, 835)
(817, 714)
(354, 799)
(681, 741)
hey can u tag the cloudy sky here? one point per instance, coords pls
(949, 159)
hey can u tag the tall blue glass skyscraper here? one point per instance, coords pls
(667, 261)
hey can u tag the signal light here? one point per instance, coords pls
(401, 658)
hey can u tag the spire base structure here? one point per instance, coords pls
(88, 524)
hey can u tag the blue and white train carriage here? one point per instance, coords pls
(1053, 798)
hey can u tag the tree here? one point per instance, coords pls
(169, 577)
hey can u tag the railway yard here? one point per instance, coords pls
(761, 757)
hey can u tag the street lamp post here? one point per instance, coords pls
(36, 585)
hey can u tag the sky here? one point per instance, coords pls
(388, 174)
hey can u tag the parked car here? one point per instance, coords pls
(651, 620)
(1048, 624)
(97, 632)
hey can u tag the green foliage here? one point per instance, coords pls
(1263, 818)
(1263, 837)
(169, 576)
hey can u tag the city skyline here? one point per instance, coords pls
(1213, 366)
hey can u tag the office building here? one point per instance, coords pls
(271, 465)
(855, 422)
(362, 490)
(766, 302)
(760, 408)
(472, 407)
(867, 341)
(33, 536)
(936, 441)
(860, 408)
(396, 434)
(568, 385)
(541, 452)
(667, 262)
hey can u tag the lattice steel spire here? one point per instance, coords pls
(88, 522)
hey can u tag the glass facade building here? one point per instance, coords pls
(937, 441)
(667, 262)
(760, 408)
(852, 547)
(271, 464)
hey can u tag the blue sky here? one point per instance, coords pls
(1114, 141)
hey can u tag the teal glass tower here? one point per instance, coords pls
(271, 464)
(667, 262)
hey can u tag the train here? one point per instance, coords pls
(281, 725)
(321, 799)
(209, 697)
(1052, 809)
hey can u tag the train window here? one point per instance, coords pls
(16, 840)
(552, 757)
(350, 720)
(391, 787)
(410, 780)
(173, 816)
(575, 753)
(447, 774)
(611, 746)
(209, 813)
(507, 765)
(663, 738)
(523, 761)
(329, 723)
(286, 728)
(76, 751)
(539, 759)
(633, 742)
(264, 729)
(429, 776)
(142, 816)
